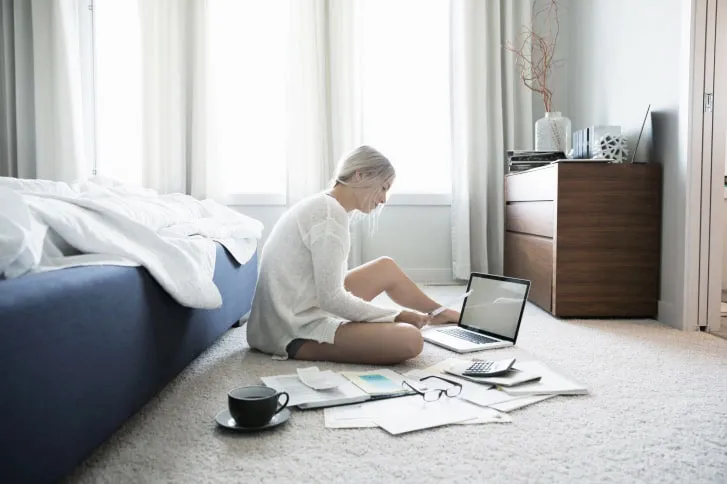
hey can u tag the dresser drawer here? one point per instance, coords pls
(532, 185)
(534, 218)
(531, 257)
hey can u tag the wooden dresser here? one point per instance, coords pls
(587, 236)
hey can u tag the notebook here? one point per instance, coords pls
(378, 382)
(550, 383)
(516, 376)
(303, 396)
(358, 387)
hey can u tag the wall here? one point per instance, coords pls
(724, 245)
(417, 237)
(559, 77)
(623, 56)
(266, 214)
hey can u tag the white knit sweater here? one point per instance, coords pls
(300, 291)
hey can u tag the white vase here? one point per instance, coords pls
(552, 133)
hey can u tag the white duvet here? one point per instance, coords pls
(48, 225)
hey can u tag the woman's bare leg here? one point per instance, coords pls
(366, 343)
(384, 275)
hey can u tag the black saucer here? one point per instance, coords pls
(225, 420)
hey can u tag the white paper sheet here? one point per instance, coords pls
(487, 415)
(477, 393)
(358, 415)
(520, 402)
(365, 414)
(550, 382)
(301, 394)
(320, 380)
(413, 413)
(448, 303)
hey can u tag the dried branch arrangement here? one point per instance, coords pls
(535, 50)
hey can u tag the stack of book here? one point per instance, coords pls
(525, 378)
(521, 160)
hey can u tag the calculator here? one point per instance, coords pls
(489, 367)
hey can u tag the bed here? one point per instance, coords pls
(83, 349)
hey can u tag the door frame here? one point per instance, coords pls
(718, 166)
(705, 191)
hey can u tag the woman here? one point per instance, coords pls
(308, 307)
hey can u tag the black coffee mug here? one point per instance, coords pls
(256, 405)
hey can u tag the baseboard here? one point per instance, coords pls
(432, 277)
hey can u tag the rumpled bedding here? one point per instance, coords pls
(46, 225)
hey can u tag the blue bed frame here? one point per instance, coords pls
(83, 349)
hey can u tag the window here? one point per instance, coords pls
(249, 68)
(118, 98)
(406, 95)
(404, 91)
(248, 48)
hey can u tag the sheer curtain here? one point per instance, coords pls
(174, 58)
(45, 90)
(323, 93)
(405, 84)
(491, 112)
(238, 100)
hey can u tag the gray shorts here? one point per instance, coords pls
(294, 346)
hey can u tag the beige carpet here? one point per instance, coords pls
(657, 413)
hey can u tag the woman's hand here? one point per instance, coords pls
(414, 318)
(448, 316)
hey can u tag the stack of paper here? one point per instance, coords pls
(378, 399)
(511, 378)
(303, 396)
(550, 383)
(411, 413)
(513, 396)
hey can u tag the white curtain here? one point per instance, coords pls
(45, 90)
(323, 95)
(179, 117)
(175, 97)
(491, 112)
(324, 98)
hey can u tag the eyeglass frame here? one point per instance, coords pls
(439, 391)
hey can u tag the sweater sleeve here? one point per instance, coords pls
(329, 255)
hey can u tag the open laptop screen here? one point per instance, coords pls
(495, 305)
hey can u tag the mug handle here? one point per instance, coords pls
(287, 399)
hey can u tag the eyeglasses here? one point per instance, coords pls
(435, 394)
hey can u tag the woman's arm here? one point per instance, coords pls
(328, 254)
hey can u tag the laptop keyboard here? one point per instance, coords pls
(467, 335)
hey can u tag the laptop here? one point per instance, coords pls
(490, 316)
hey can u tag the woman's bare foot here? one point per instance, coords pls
(447, 316)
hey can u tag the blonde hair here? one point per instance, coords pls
(374, 169)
